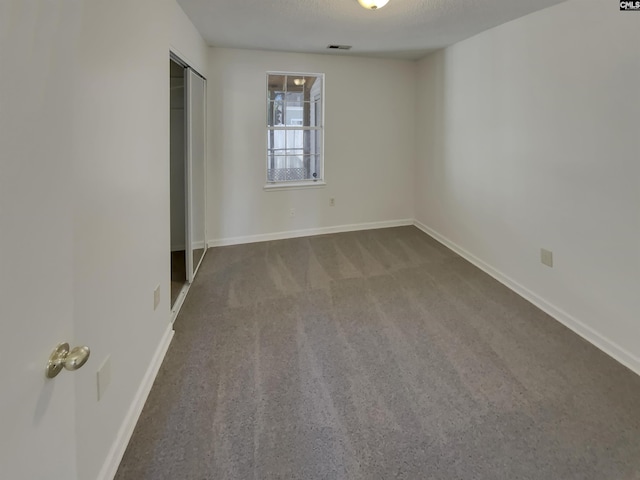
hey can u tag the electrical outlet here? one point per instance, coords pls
(292, 212)
(332, 202)
(104, 377)
(156, 297)
(546, 257)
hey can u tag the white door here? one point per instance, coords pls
(196, 138)
(37, 415)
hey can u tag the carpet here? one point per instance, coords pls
(377, 354)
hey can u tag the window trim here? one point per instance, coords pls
(301, 184)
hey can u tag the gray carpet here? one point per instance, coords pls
(377, 355)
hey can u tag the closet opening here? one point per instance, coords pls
(187, 176)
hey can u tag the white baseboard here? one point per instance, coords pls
(265, 237)
(118, 448)
(589, 334)
(177, 305)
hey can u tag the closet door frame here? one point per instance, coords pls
(190, 188)
(190, 267)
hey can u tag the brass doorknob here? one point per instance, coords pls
(62, 357)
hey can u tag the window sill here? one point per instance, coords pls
(294, 186)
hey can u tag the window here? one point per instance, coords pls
(294, 129)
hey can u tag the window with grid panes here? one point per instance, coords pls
(294, 128)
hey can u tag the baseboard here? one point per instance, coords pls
(179, 301)
(221, 242)
(118, 448)
(609, 347)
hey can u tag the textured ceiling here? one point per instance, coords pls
(403, 29)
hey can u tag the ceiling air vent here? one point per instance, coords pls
(339, 47)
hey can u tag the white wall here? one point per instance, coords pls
(185, 41)
(369, 144)
(527, 138)
(122, 209)
(122, 228)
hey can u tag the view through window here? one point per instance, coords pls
(294, 127)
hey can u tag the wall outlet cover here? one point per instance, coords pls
(546, 257)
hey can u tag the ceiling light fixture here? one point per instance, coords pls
(373, 4)
(299, 81)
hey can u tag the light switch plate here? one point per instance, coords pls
(546, 257)
(104, 377)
